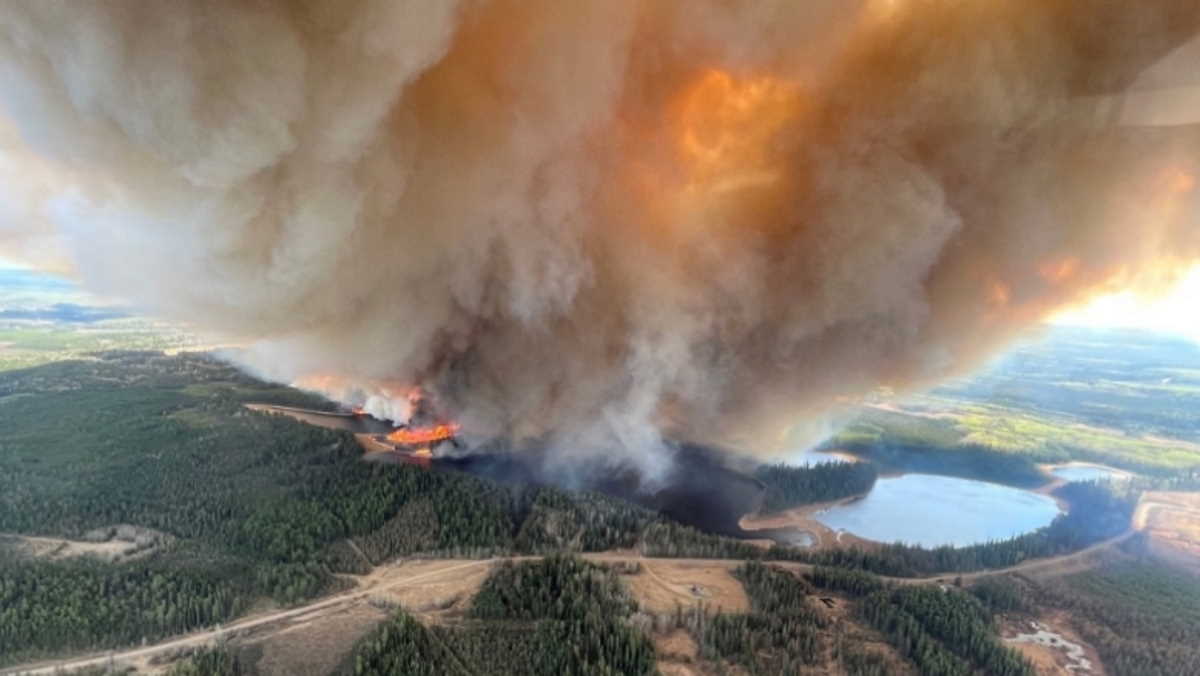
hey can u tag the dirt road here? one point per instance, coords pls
(363, 594)
(249, 623)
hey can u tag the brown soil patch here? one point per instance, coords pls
(662, 585)
(56, 549)
(432, 595)
(803, 519)
(1043, 658)
(315, 647)
(677, 645)
(1055, 657)
(1172, 519)
(677, 669)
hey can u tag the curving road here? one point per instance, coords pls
(339, 601)
(205, 637)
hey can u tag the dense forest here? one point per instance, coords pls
(787, 486)
(943, 631)
(903, 443)
(781, 634)
(1099, 510)
(77, 604)
(210, 661)
(559, 615)
(242, 504)
(1142, 616)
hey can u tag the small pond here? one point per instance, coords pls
(930, 510)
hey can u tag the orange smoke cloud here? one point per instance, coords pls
(601, 221)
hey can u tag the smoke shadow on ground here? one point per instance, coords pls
(699, 489)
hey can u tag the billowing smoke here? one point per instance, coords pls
(598, 222)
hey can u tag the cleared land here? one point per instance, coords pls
(1053, 646)
(255, 625)
(803, 520)
(1172, 519)
(425, 581)
(1125, 398)
(58, 548)
(663, 584)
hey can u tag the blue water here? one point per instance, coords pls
(1086, 473)
(929, 510)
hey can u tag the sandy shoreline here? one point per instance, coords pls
(803, 519)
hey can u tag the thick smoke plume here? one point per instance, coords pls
(597, 222)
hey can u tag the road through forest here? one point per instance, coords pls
(362, 594)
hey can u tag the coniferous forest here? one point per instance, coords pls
(942, 631)
(226, 508)
(1142, 617)
(241, 505)
(788, 486)
(559, 615)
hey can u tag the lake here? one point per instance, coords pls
(930, 510)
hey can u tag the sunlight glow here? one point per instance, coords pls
(1177, 312)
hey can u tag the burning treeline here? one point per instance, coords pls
(599, 221)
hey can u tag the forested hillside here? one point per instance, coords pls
(942, 631)
(788, 486)
(561, 615)
(239, 508)
(242, 505)
(556, 616)
(1141, 615)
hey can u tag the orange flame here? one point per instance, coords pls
(423, 435)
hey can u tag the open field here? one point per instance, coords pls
(316, 646)
(1052, 645)
(1172, 519)
(110, 550)
(27, 344)
(431, 588)
(677, 652)
(662, 585)
(289, 512)
(269, 623)
(1123, 398)
(427, 583)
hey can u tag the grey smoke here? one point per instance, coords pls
(601, 221)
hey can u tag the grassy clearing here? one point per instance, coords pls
(994, 428)
(29, 344)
